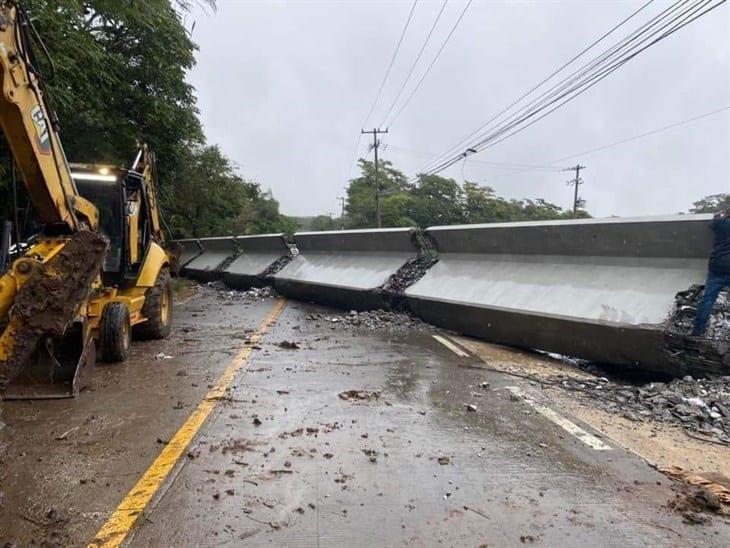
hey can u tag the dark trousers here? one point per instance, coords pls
(714, 284)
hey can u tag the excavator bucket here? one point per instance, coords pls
(60, 367)
(48, 352)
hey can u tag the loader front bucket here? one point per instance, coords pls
(46, 345)
(60, 367)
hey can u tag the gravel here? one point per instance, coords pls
(276, 266)
(700, 406)
(408, 274)
(371, 320)
(230, 295)
(708, 354)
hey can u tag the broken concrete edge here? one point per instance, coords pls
(383, 262)
(234, 247)
(191, 249)
(206, 266)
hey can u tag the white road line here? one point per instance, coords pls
(451, 346)
(589, 439)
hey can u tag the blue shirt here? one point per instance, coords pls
(720, 257)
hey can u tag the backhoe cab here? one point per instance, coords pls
(136, 297)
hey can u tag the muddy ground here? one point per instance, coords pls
(342, 434)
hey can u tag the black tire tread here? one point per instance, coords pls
(154, 328)
(112, 344)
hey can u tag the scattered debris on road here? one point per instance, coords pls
(700, 406)
(232, 296)
(359, 395)
(288, 345)
(371, 320)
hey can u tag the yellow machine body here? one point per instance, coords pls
(100, 248)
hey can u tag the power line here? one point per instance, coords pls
(433, 62)
(583, 85)
(501, 165)
(625, 140)
(589, 75)
(576, 75)
(382, 85)
(418, 58)
(642, 135)
(392, 60)
(461, 142)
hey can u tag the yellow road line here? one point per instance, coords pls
(121, 522)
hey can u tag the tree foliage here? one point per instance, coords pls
(118, 79)
(435, 200)
(711, 204)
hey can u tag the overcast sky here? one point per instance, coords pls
(283, 88)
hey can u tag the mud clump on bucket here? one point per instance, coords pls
(48, 302)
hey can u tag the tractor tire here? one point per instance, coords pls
(115, 334)
(157, 309)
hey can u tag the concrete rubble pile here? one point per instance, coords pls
(409, 274)
(707, 353)
(277, 265)
(371, 320)
(253, 293)
(700, 406)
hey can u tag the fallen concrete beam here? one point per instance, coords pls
(594, 289)
(258, 253)
(206, 266)
(345, 268)
(191, 248)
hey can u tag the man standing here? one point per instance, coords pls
(718, 272)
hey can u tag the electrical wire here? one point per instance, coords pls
(415, 62)
(593, 64)
(430, 66)
(589, 75)
(642, 135)
(591, 79)
(625, 140)
(382, 85)
(392, 61)
(462, 141)
(499, 165)
(559, 93)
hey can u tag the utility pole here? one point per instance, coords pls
(576, 183)
(342, 212)
(376, 144)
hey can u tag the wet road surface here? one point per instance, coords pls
(291, 457)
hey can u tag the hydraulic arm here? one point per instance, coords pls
(43, 294)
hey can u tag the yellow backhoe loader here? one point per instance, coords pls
(97, 271)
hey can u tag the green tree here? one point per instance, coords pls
(119, 79)
(482, 205)
(437, 201)
(217, 201)
(711, 204)
(324, 222)
(360, 208)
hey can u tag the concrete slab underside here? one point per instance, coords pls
(511, 473)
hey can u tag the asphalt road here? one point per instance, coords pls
(287, 455)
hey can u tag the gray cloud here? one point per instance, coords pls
(283, 88)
